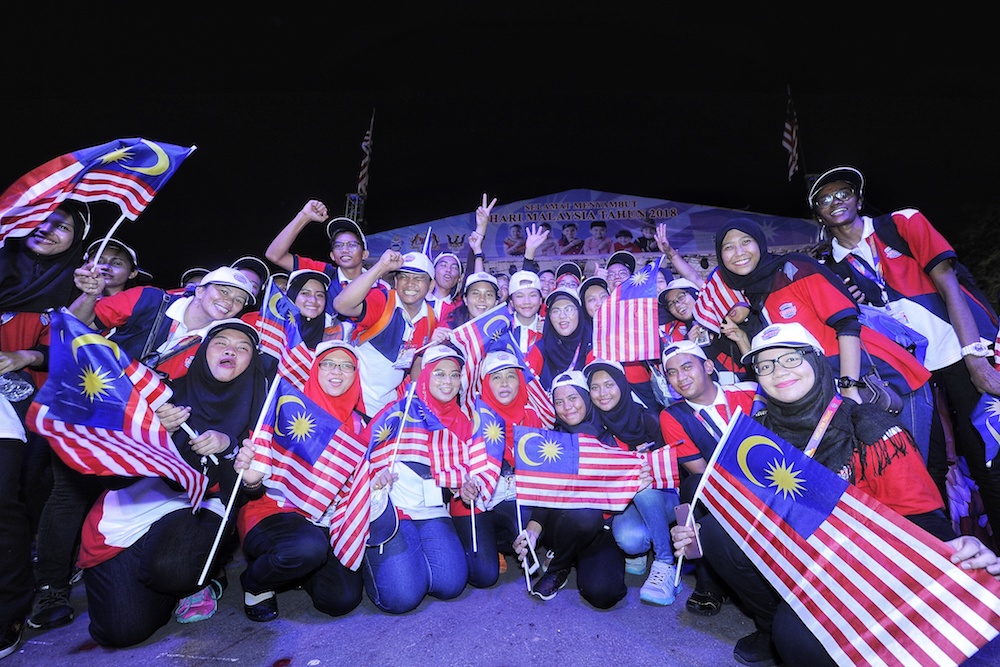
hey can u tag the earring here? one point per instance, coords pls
(822, 232)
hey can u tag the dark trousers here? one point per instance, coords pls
(16, 583)
(132, 595)
(581, 537)
(495, 532)
(286, 549)
(63, 514)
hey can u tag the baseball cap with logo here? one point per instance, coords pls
(417, 262)
(227, 275)
(786, 334)
(497, 361)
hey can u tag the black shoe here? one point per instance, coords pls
(756, 650)
(10, 637)
(705, 604)
(263, 611)
(51, 608)
(550, 583)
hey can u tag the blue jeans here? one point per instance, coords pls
(645, 524)
(423, 558)
(916, 417)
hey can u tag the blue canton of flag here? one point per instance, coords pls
(489, 439)
(986, 419)
(278, 324)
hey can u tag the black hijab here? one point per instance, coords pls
(630, 422)
(33, 283)
(591, 424)
(758, 281)
(311, 329)
(563, 353)
(228, 407)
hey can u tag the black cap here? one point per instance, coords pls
(625, 258)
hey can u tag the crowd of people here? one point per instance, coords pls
(880, 339)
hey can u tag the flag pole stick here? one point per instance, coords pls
(520, 529)
(701, 484)
(236, 487)
(104, 242)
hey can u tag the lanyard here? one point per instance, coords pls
(821, 427)
(713, 427)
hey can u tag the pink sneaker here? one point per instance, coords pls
(199, 606)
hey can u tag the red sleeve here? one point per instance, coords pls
(114, 311)
(312, 264)
(374, 306)
(904, 485)
(673, 432)
(928, 246)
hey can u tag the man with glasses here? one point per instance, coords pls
(901, 265)
(161, 329)
(390, 325)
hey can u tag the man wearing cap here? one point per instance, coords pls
(621, 266)
(255, 270)
(390, 324)
(698, 421)
(526, 300)
(598, 243)
(160, 329)
(190, 279)
(900, 264)
(118, 263)
(443, 297)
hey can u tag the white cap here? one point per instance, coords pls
(788, 334)
(438, 352)
(256, 264)
(481, 277)
(338, 225)
(417, 262)
(123, 246)
(327, 345)
(308, 274)
(601, 365)
(683, 347)
(681, 283)
(497, 361)
(227, 275)
(847, 174)
(525, 280)
(572, 378)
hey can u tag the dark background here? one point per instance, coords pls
(511, 99)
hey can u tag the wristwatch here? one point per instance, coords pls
(846, 382)
(977, 349)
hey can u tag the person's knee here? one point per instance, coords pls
(337, 603)
(119, 634)
(603, 594)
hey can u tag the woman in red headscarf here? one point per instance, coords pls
(502, 404)
(414, 460)
(283, 544)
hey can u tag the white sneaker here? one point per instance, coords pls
(636, 565)
(659, 587)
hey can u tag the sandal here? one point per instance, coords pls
(705, 604)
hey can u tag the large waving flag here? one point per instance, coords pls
(872, 587)
(475, 338)
(489, 439)
(127, 172)
(626, 326)
(97, 410)
(418, 437)
(278, 324)
(304, 452)
(572, 471)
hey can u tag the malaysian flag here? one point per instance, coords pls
(790, 138)
(477, 337)
(572, 471)
(489, 439)
(127, 172)
(715, 300)
(419, 438)
(871, 586)
(366, 147)
(663, 467)
(986, 419)
(626, 326)
(304, 452)
(98, 410)
(278, 324)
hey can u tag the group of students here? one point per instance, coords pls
(784, 338)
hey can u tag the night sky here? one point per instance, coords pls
(511, 99)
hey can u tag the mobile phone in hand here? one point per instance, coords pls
(682, 514)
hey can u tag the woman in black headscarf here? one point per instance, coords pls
(576, 537)
(645, 523)
(862, 444)
(567, 337)
(307, 290)
(36, 273)
(143, 549)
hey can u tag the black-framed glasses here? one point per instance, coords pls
(840, 195)
(787, 360)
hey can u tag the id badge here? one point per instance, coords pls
(433, 496)
(405, 359)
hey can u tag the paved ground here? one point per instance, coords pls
(501, 626)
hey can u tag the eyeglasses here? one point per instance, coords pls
(565, 310)
(840, 195)
(620, 275)
(677, 301)
(786, 360)
(441, 376)
(347, 245)
(344, 366)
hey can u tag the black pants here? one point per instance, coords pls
(582, 538)
(16, 584)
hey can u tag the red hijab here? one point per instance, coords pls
(342, 407)
(451, 414)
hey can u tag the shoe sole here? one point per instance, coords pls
(49, 626)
